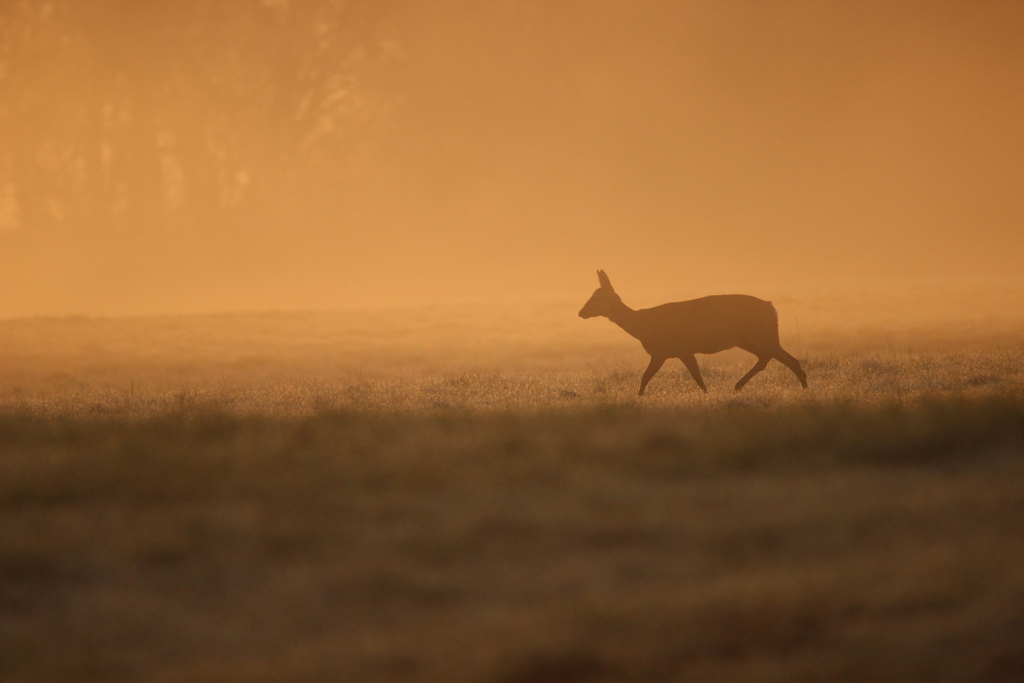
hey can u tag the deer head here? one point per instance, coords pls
(604, 300)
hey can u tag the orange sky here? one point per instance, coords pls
(684, 147)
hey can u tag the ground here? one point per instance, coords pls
(477, 494)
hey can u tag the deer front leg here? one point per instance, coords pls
(691, 364)
(652, 369)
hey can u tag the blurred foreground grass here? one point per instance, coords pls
(266, 498)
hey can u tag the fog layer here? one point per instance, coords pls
(181, 156)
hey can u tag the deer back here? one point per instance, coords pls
(708, 325)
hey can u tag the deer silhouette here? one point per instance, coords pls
(706, 325)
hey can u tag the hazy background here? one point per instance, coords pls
(199, 156)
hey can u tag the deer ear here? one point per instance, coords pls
(603, 279)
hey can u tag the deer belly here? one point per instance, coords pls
(707, 348)
(688, 347)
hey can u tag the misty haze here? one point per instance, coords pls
(294, 384)
(329, 154)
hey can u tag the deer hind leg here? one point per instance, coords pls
(651, 370)
(761, 364)
(791, 363)
(691, 364)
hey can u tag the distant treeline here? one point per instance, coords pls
(117, 114)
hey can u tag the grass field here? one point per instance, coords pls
(474, 494)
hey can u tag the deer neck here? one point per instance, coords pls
(626, 318)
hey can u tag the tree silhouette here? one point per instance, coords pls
(126, 116)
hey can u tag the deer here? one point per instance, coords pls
(707, 325)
